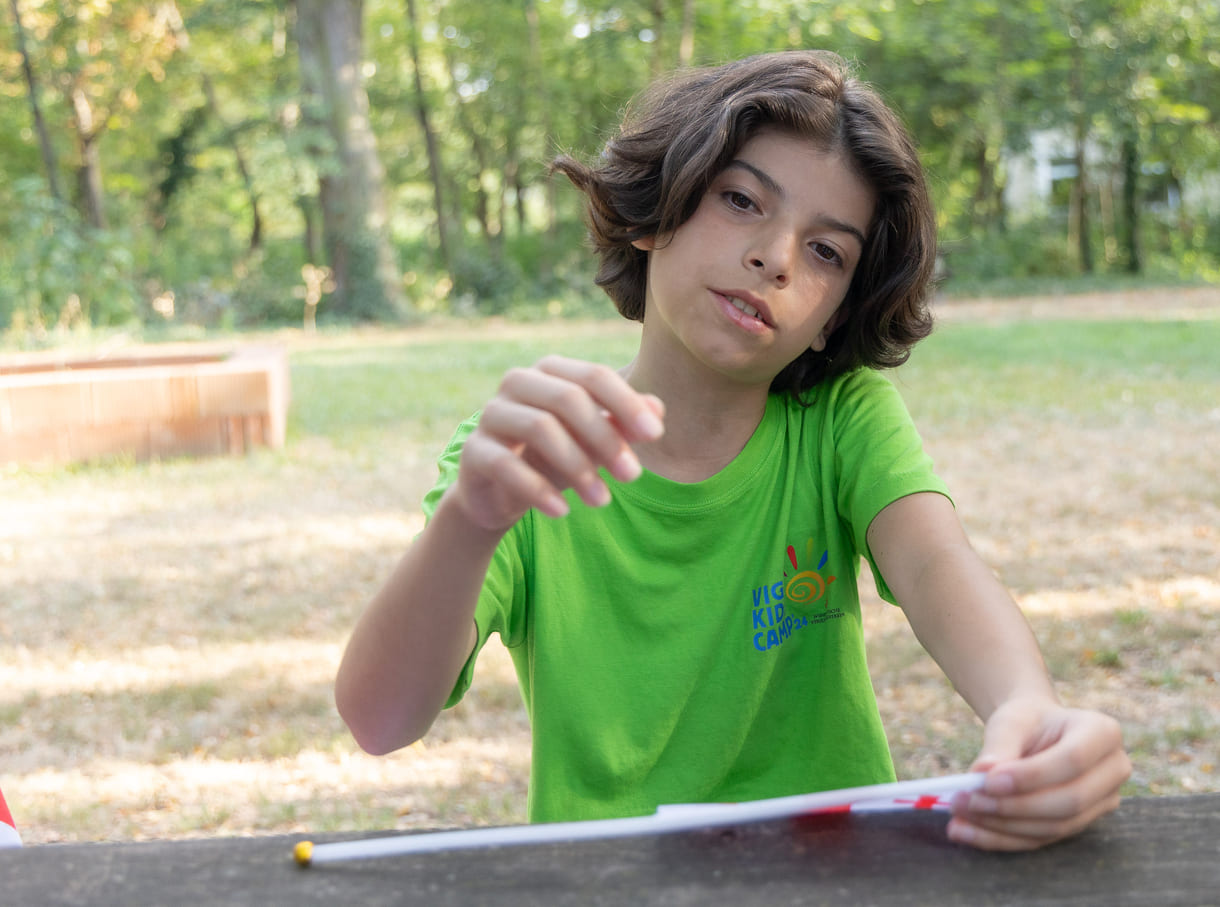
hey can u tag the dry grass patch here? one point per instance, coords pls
(169, 632)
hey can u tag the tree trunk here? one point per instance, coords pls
(49, 160)
(243, 169)
(993, 137)
(985, 190)
(539, 86)
(686, 43)
(435, 170)
(1079, 213)
(351, 182)
(308, 205)
(492, 230)
(89, 171)
(482, 202)
(1131, 207)
(183, 37)
(512, 177)
(658, 63)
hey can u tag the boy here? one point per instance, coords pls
(669, 551)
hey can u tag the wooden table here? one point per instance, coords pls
(1154, 851)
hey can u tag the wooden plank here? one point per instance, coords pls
(182, 397)
(42, 407)
(232, 394)
(95, 442)
(129, 398)
(186, 437)
(58, 411)
(1152, 853)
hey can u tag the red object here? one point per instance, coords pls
(8, 830)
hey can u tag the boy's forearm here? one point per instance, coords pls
(409, 645)
(962, 615)
(973, 629)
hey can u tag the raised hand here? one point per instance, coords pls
(549, 428)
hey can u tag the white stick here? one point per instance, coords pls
(667, 819)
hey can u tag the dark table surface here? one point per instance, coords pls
(1153, 851)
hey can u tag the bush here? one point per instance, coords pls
(1033, 250)
(56, 271)
(486, 283)
(270, 290)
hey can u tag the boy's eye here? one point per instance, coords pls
(827, 253)
(738, 200)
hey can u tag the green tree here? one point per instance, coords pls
(231, 143)
(50, 159)
(330, 41)
(105, 49)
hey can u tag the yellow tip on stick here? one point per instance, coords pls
(303, 853)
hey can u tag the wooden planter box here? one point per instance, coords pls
(187, 401)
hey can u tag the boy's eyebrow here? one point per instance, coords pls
(776, 189)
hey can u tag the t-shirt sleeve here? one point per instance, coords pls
(500, 608)
(879, 457)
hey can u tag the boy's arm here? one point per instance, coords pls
(1051, 770)
(549, 428)
(412, 640)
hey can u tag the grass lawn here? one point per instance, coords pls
(169, 631)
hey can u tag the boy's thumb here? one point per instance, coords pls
(1003, 741)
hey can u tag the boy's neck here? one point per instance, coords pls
(707, 424)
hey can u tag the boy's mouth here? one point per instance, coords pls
(742, 306)
(748, 305)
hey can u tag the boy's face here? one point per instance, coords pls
(757, 274)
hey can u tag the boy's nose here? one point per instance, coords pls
(778, 276)
(772, 257)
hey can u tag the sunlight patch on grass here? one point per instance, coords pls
(239, 739)
(24, 672)
(1148, 600)
(135, 800)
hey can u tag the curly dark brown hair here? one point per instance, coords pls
(681, 133)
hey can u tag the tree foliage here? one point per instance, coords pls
(205, 151)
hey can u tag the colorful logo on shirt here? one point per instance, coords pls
(807, 587)
(790, 604)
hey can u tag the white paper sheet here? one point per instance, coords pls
(926, 793)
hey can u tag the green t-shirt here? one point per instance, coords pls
(703, 641)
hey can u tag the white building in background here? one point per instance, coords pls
(1039, 179)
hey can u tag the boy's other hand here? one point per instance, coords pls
(549, 428)
(1051, 771)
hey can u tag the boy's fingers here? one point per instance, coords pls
(657, 404)
(540, 441)
(1003, 741)
(553, 427)
(1087, 742)
(989, 839)
(1000, 833)
(638, 415)
(510, 485)
(643, 423)
(1049, 774)
(591, 403)
(1099, 784)
(1022, 821)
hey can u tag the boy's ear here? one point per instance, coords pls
(647, 244)
(833, 324)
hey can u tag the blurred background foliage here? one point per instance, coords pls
(176, 163)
